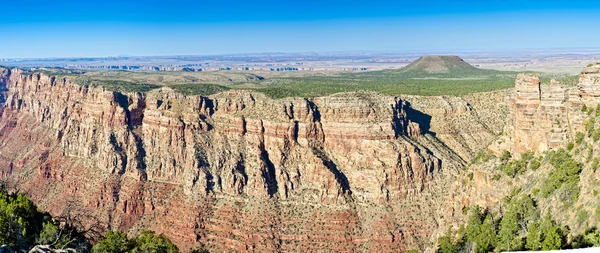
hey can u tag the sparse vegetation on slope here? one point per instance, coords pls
(199, 89)
(146, 241)
(592, 64)
(561, 186)
(519, 228)
(118, 85)
(23, 227)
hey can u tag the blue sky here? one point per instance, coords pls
(37, 28)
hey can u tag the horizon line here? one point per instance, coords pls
(409, 51)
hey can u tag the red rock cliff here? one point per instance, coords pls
(234, 171)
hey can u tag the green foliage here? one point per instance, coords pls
(589, 126)
(527, 156)
(146, 241)
(584, 108)
(509, 227)
(459, 81)
(514, 167)
(534, 237)
(113, 242)
(592, 238)
(52, 233)
(117, 85)
(519, 211)
(552, 239)
(199, 89)
(565, 80)
(497, 177)
(519, 229)
(545, 235)
(564, 178)
(570, 146)
(596, 134)
(481, 231)
(595, 163)
(534, 165)
(445, 245)
(20, 221)
(552, 234)
(505, 156)
(408, 251)
(582, 217)
(483, 156)
(579, 137)
(22, 227)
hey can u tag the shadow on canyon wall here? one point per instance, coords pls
(424, 120)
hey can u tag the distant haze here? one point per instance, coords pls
(110, 28)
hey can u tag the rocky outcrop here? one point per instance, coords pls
(549, 116)
(466, 124)
(589, 85)
(539, 122)
(234, 171)
(542, 117)
(240, 171)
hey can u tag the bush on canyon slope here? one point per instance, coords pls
(520, 228)
(22, 226)
(520, 224)
(564, 178)
(147, 241)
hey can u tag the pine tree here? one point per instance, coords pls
(552, 239)
(534, 236)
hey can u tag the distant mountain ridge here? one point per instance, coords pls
(448, 65)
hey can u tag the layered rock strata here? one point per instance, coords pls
(233, 171)
(589, 85)
(548, 116)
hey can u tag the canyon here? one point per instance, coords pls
(237, 170)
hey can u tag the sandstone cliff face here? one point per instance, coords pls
(539, 115)
(549, 116)
(589, 85)
(234, 171)
(542, 117)
(465, 125)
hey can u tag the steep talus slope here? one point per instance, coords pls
(237, 170)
